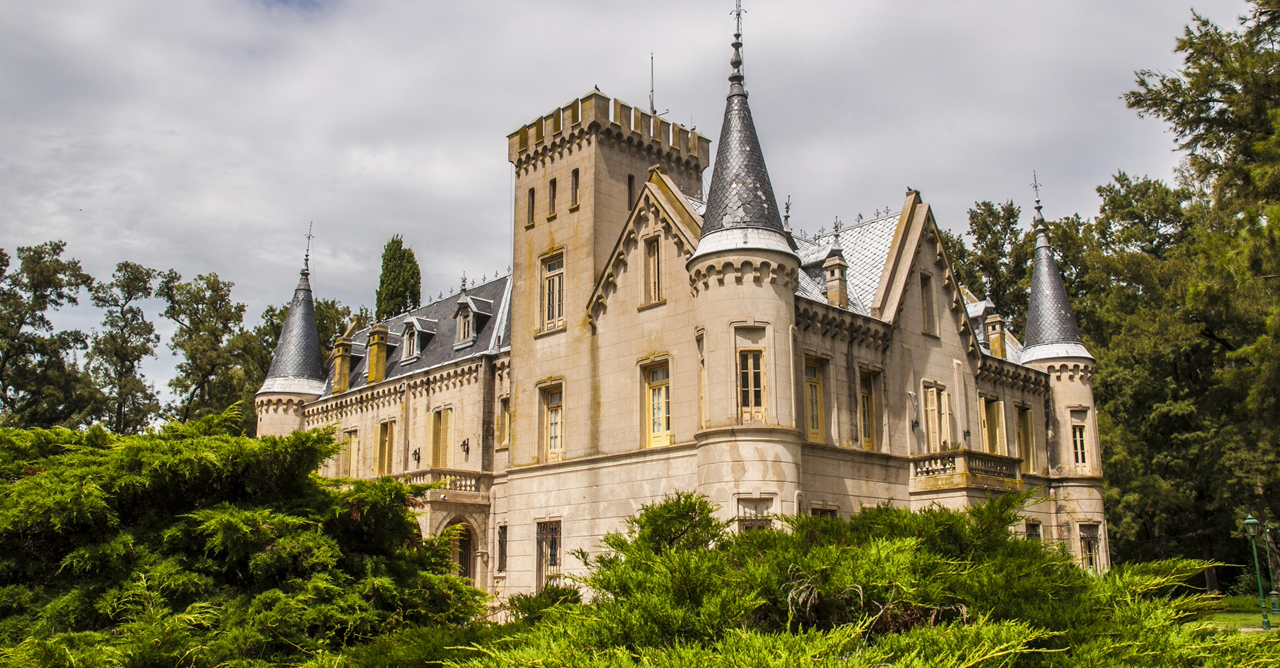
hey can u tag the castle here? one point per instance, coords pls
(648, 342)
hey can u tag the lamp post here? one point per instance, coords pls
(1274, 596)
(1251, 528)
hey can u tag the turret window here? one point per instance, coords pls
(1079, 445)
(751, 385)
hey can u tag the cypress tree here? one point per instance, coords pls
(400, 286)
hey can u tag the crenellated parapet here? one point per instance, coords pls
(1009, 374)
(842, 325)
(1072, 371)
(718, 272)
(596, 117)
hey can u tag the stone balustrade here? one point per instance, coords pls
(456, 480)
(954, 469)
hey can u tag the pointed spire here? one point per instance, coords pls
(741, 195)
(297, 365)
(1051, 326)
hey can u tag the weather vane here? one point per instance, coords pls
(737, 13)
(1035, 184)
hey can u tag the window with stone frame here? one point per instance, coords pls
(386, 445)
(927, 313)
(755, 514)
(830, 513)
(994, 438)
(1079, 442)
(1026, 439)
(658, 399)
(815, 415)
(548, 553)
(551, 199)
(502, 548)
(868, 410)
(652, 271)
(937, 418)
(464, 326)
(342, 466)
(504, 421)
(441, 437)
(573, 190)
(553, 292)
(553, 423)
(751, 385)
(531, 201)
(1033, 531)
(1089, 543)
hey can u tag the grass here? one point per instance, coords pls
(1235, 620)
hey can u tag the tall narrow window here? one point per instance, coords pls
(926, 304)
(702, 384)
(386, 440)
(502, 548)
(755, 514)
(573, 189)
(813, 400)
(658, 389)
(932, 438)
(441, 436)
(548, 546)
(553, 292)
(631, 190)
(504, 421)
(551, 198)
(554, 424)
(867, 409)
(464, 326)
(348, 449)
(1089, 546)
(530, 206)
(1026, 441)
(652, 271)
(994, 439)
(1077, 443)
(751, 385)
(945, 419)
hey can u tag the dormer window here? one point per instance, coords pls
(417, 332)
(464, 326)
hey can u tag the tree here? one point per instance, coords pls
(40, 382)
(192, 547)
(1001, 254)
(116, 352)
(400, 285)
(962, 262)
(210, 377)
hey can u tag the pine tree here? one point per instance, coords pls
(400, 286)
(127, 338)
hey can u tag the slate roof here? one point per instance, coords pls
(741, 194)
(865, 245)
(297, 363)
(493, 333)
(1050, 321)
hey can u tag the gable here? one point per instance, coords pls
(916, 241)
(659, 206)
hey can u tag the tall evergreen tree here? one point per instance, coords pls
(1002, 255)
(210, 377)
(400, 285)
(40, 382)
(127, 338)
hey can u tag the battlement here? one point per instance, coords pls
(614, 116)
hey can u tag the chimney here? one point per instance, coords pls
(377, 361)
(995, 336)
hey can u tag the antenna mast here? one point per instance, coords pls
(652, 109)
(306, 259)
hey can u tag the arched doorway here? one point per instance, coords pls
(463, 550)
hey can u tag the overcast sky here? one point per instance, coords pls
(204, 135)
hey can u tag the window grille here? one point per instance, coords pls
(548, 543)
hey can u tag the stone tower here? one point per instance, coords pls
(579, 171)
(297, 373)
(1054, 345)
(744, 277)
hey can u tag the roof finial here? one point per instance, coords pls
(1042, 233)
(786, 214)
(736, 62)
(837, 226)
(464, 281)
(306, 259)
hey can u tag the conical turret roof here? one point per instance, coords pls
(1051, 326)
(297, 366)
(741, 194)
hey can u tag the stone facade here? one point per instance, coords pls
(629, 356)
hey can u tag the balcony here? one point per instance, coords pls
(960, 469)
(459, 486)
